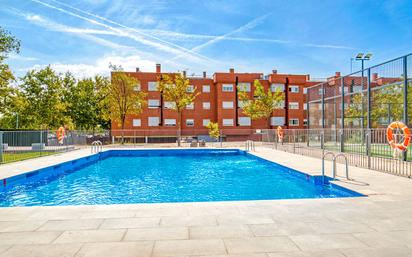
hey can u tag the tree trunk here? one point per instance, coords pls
(179, 128)
(123, 120)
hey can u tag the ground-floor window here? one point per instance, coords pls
(293, 122)
(137, 123)
(153, 121)
(227, 122)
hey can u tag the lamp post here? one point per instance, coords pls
(361, 57)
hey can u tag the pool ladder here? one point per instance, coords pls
(97, 146)
(250, 145)
(334, 157)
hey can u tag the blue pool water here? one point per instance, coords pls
(122, 177)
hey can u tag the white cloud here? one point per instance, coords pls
(250, 25)
(21, 58)
(133, 34)
(101, 66)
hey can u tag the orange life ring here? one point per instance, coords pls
(60, 135)
(280, 132)
(407, 135)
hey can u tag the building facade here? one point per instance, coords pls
(217, 101)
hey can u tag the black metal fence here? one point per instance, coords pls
(366, 99)
(21, 145)
(363, 148)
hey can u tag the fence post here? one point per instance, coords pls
(1, 147)
(369, 107)
(342, 141)
(368, 147)
(323, 105)
(294, 141)
(405, 98)
(322, 139)
(41, 142)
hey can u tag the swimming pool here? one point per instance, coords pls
(159, 176)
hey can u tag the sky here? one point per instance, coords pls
(316, 37)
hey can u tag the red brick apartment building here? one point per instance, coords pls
(216, 102)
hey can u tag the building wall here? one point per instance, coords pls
(216, 97)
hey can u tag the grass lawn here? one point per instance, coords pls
(378, 150)
(13, 157)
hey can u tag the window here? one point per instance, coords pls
(227, 87)
(153, 103)
(153, 121)
(227, 105)
(244, 86)
(277, 121)
(190, 122)
(206, 105)
(241, 104)
(277, 87)
(227, 122)
(190, 106)
(280, 105)
(190, 89)
(345, 89)
(244, 121)
(305, 90)
(205, 88)
(293, 122)
(294, 89)
(357, 89)
(294, 105)
(305, 106)
(137, 87)
(205, 122)
(170, 122)
(152, 86)
(305, 122)
(169, 105)
(137, 123)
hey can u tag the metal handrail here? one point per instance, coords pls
(334, 165)
(334, 157)
(97, 146)
(323, 164)
(250, 145)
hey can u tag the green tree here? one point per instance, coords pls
(176, 89)
(386, 102)
(43, 104)
(213, 130)
(262, 104)
(87, 103)
(123, 98)
(8, 44)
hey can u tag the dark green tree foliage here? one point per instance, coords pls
(8, 44)
(87, 103)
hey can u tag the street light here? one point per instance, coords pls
(361, 57)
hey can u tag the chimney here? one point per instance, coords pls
(184, 74)
(374, 76)
(337, 74)
(275, 71)
(158, 68)
(204, 74)
(137, 69)
(232, 70)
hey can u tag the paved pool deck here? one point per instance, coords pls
(377, 225)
